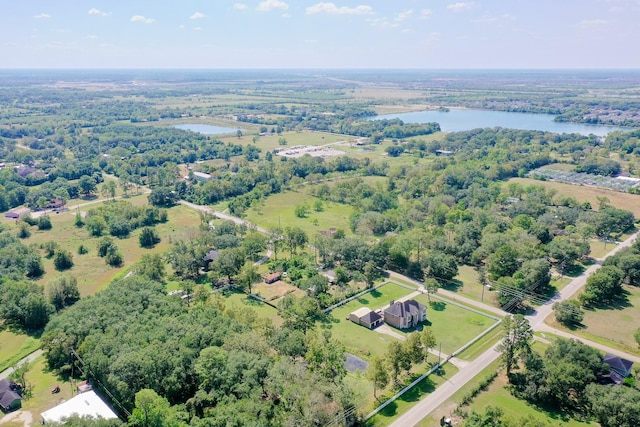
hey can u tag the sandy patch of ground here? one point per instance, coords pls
(25, 417)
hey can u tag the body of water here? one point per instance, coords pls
(460, 120)
(206, 129)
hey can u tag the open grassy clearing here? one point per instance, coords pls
(614, 326)
(405, 402)
(279, 210)
(90, 270)
(452, 326)
(498, 395)
(238, 299)
(275, 290)
(584, 193)
(270, 142)
(482, 345)
(14, 346)
(42, 381)
(600, 249)
(359, 340)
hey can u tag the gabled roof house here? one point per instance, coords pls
(619, 368)
(10, 398)
(405, 314)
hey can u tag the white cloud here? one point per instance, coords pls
(198, 15)
(94, 11)
(403, 15)
(142, 19)
(269, 5)
(239, 6)
(588, 24)
(491, 19)
(425, 13)
(92, 36)
(42, 16)
(286, 15)
(181, 26)
(197, 28)
(332, 9)
(460, 6)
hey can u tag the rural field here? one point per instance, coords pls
(91, 270)
(278, 210)
(585, 193)
(359, 340)
(611, 326)
(15, 346)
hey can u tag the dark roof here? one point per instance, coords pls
(400, 309)
(211, 255)
(8, 393)
(617, 363)
(371, 317)
(11, 215)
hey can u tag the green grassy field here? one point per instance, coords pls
(498, 395)
(238, 299)
(357, 339)
(90, 270)
(482, 345)
(42, 381)
(466, 283)
(279, 210)
(453, 326)
(405, 402)
(599, 323)
(270, 142)
(14, 347)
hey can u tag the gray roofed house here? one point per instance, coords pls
(405, 314)
(620, 368)
(366, 317)
(10, 398)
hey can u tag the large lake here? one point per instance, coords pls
(206, 129)
(459, 120)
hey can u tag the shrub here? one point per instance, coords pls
(62, 260)
(44, 223)
(148, 237)
(23, 231)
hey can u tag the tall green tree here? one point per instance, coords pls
(516, 342)
(377, 374)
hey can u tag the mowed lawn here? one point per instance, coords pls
(270, 142)
(279, 210)
(612, 326)
(14, 347)
(498, 395)
(453, 326)
(585, 193)
(91, 271)
(408, 400)
(239, 299)
(42, 381)
(359, 340)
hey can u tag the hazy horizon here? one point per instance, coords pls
(312, 35)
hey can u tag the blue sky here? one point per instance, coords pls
(312, 34)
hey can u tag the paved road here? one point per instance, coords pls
(222, 215)
(465, 374)
(470, 370)
(29, 358)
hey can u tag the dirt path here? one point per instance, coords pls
(25, 417)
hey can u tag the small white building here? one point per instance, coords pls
(201, 176)
(86, 404)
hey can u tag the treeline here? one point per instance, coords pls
(120, 217)
(135, 340)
